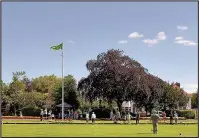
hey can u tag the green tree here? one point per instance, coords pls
(194, 100)
(16, 87)
(31, 100)
(46, 85)
(70, 92)
(173, 97)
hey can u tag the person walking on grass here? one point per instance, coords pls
(53, 116)
(21, 115)
(115, 119)
(87, 117)
(49, 114)
(171, 117)
(176, 117)
(129, 118)
(41, 114)
(93, 117)
(155, 117)
(138, 117)
(111, 115)
(164, 116)
(118, 116)
(46, 113)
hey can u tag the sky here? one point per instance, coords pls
(161, 36)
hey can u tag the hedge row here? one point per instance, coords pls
(31, 112)
(18, 117)
(188, 114)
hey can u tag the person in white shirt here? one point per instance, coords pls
(49, 114)
(129, 118)
(41, 114)
(53, 116)
(155, 117)
(176, 117)
(45, 113)
(87, 117)
(21, 115)
(59, 116)
(93, 117)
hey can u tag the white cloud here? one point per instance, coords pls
(70, 41)
(122, 42)
(161, 36)
(182, 28)
(150, 42)
(181, 40)
(135, 35)
(190, 88)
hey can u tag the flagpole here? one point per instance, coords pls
(62, 82)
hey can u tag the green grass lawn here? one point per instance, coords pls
(9, 130)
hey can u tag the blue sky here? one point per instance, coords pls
(161, 36)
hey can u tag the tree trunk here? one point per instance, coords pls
(100, 103)
(119, 104)
(146, 111)
(15, 111)
(150, 112)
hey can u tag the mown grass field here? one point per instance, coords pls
(9, 130)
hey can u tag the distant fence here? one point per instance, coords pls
(105, 119)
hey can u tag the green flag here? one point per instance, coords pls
(57, 47)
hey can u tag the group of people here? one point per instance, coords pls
(44, 114)
(125, 117)
(116, 116)
(93, 117)
(174, 116)
(70, 115)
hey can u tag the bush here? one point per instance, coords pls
(101, 112)
(188, 114)
(18, 117)
(31, 112)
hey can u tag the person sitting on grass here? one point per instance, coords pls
(87, 117)
(93, 117)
